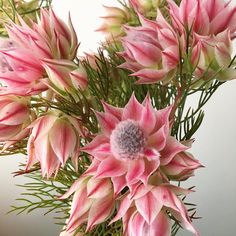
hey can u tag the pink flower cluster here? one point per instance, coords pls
(134, 158)
(196, 40)
(37, 62)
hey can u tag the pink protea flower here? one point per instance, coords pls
(113, 21)
(54, 138)
(49, 38)
(215, 57)
(181, 167)
(144, 212)
(152, 51)
(134, 142)
(93, 202)
(14, 118)
(204, 17)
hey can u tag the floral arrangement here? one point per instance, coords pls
(107, 137)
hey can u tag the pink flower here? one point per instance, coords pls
(93, 202)
(134, 142)
(215, 57)
(205, 17)
(49, 38)
(14, 117)
(181, 167)
(54, 138)
(113, 21)
(152, 51)
(144, 212)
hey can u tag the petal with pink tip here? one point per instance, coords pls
(162, 117)
(14, 114)
(149, 76)
(161, 226)
(115, 111)
(107, 122)
(78, 184)
(136, 225)
(149, 207)
(223, 20)
(63, 139)
(123, 208)
(119, 183)
(80, 205)
(150, 167)
(132, 110)
(100, 210)
(111, 167)
(48, 159)
(98, 188)
(172, 148)
(99, 147)
(170, 57)
(148, 118)
(158, 139)
(144, 53)
(135, 170)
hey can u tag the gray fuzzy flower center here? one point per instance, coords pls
(127, 140)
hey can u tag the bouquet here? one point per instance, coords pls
(107, 137)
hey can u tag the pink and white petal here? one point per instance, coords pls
(135, 170)
(161, 226)
(136, 225)
(107, 122)
(150, 76)
(148, 117)
(13, 114)
(158, 139)
(99, 147)
(62, 139)
(123, 208)
(100, 210)
(149, 207)
(115, 111)
(150, 168)
(92, 169)
(111, 167)
(79, 207)
(151, 154)
(144, 53)
(140, 190)
(9, 131)
(162, 117)
(98, 188)
(119, 183)
(133, 109)
(172, 148)
(77, 185)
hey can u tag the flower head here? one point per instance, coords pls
(54, 138)
(93, 202)
(144, 212)
(152, 51)
(14, 118)
(134, 142)
(49, 38)
(207, 17)
(113, 21)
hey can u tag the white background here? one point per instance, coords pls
(214, 146)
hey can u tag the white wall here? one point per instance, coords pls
(214, 146)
